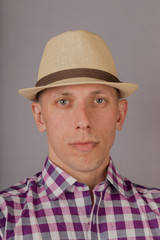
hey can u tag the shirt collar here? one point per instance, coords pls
(116, 180)
(56, 181)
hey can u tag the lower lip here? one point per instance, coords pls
(84, 146)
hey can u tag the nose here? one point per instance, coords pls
(82, 118)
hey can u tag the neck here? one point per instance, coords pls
(91, 179)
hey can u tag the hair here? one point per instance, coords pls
(117, 93)
(39, 96)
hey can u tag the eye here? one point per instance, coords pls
(99, 100)
(63, 101)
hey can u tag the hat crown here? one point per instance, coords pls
(77, 57)
(76, 49)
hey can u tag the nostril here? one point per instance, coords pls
(83, 126)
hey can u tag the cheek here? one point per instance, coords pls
(107, 119)
(107, 126)
(57, 128)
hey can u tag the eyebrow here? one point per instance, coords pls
(65, 93)
(70, 94)
(97, 92)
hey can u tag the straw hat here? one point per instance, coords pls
(77, 57)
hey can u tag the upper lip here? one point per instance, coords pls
(83, 142)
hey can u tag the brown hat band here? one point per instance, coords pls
(76, 73)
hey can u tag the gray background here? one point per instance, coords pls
(131, 28)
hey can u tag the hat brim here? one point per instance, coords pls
(125, 89)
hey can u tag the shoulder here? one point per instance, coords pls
(17, 194)
(22, 187)
(146, 192)
(144, 196)
(14, 199)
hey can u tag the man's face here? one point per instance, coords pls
(80, 121)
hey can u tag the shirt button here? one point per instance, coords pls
(87, 220)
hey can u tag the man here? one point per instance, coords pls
(79, 101)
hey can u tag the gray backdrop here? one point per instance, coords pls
(131, 28)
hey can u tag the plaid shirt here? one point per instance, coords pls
(53, 205)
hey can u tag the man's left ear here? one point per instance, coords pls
(123, 108)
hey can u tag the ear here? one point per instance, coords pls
(37, 113)
(123, 108)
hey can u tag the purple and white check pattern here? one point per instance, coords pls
(53, 205)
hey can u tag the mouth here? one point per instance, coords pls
(84, 146)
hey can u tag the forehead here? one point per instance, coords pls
(85, 89)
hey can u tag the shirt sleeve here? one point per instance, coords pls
(2, 218)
